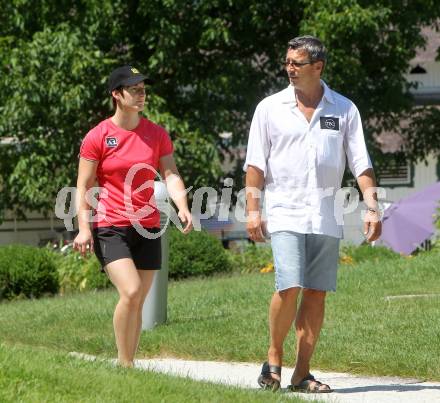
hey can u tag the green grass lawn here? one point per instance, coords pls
(225, 318)
(31, 374)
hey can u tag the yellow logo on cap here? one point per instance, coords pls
(134, 71)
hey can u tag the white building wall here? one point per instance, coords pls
(36, 230)
(428, 82)
(424, 175)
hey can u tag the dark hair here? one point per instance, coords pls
(312, 45)
(115, 104)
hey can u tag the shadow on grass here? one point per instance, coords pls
(387, 388)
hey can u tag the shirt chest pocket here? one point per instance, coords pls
(330, 151)
(330, 146)
(331, 125)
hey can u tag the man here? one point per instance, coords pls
(298, 143)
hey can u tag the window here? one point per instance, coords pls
(418, 70)
(396, 173)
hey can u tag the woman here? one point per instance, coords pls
(123, 153)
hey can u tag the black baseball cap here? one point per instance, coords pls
(124, 76)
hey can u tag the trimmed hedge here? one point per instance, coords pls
(196, 254)
(27, 272)
(32, 272)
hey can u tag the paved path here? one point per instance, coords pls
(348, 388)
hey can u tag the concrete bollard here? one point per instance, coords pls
(154, 311)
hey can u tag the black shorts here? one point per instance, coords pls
(113, 243)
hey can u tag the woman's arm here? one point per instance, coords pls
(86, 179)
(176, 189)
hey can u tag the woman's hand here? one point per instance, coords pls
(83, 241)
(186, 218)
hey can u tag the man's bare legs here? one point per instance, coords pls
(282, 313)
(308, 323)
(309, 320)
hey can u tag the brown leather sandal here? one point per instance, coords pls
(266, 381)
(310, 385)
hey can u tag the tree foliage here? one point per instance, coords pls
(208, 64)
(371, 44)
(48, 105)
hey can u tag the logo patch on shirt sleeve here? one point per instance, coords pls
(329, 123)
(111, 142)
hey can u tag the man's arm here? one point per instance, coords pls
(372, 224)
(254, 185)
(360, 165)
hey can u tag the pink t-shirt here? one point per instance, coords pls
(126, 171)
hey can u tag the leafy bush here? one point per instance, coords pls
(79, 274)
(352, 254)
(252, 259)
(27, 272)
(197, 253)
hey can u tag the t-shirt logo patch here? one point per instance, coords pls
(329, 123)
(111, 142)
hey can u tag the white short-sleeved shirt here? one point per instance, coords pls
(303, 163)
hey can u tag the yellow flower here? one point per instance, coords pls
(83, 284)
(267, 269)
(346, 259)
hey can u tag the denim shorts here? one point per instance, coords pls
(305, 260)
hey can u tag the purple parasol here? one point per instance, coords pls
(410, 221)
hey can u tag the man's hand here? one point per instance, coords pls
(372, 226)
(254, 226)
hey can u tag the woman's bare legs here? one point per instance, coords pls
(132, 288)
(146, 277)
